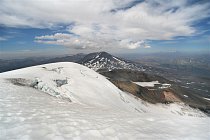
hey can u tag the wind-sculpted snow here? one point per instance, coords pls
(93, 108)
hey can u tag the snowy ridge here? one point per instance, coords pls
(87, 106)
(103, 60)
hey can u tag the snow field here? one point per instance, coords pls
(87, 106)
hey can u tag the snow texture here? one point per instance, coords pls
(147, 84)
(152, 84)
(207, 99)
(87, 106)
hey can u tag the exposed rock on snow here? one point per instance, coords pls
(61, 82)
(22, 82)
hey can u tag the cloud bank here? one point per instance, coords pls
(105, 23)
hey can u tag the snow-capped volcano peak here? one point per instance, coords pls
(104, 60)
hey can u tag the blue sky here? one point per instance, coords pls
(53, 27)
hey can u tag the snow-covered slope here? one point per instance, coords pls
(87, 106)
(104, 60)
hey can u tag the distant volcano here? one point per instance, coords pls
(106, 61)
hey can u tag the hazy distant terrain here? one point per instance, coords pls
(12, 64)
(191, 71)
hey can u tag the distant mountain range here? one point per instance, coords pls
(99, 61)
(7, 65)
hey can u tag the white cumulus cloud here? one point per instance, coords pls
(105, 23)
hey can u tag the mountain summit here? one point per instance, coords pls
(106, 61)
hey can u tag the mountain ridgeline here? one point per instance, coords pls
(103, 61)
(96, 61)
